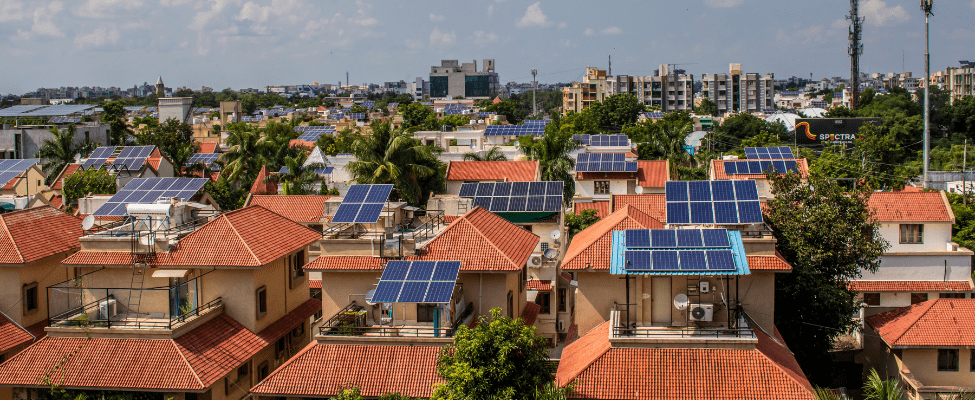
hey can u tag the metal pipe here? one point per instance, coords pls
(926, 6)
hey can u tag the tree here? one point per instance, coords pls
(707, 107)
(240, 162)
(512, 113)
(876, 388)
(828, 235)
(552, 153)
(578, 223)
(500, 358)
(60, 150)
(114, 116)
(494, 154)
(82, 182)
(299, 179)
(225, 194)
(617, 111)
(396, 157)
(728, 136)
(416, 116)
(173, 138)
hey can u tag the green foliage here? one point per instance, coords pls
(664, 140)
(395, 396)
(500, 358)
(60, 150)
(114, 116)
(299, 179)
(82, 182)
(877, 160)
(352, 393)
(225, 194)
(509, 109)
(727, 137)
(456, 120)
(396, 157)
(173, 138)
(577, 223)
(824, 394)
(341, 143)
(617, 111)
(417, 116)
(876, 388)
(763, 139)
(551, 150)
(827, 234)
(61, 394)
(963, 231)
(707, 107)
(358, 108)
(494, 154)
(840, 112)
(959, 118)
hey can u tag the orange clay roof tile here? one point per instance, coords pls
(32, 234)
(511, 171)
(482, 241)
(719, 172)
(591, 247)
(339, 263)
(601, 207)
(12, 335)
(301, 209)
(654, 205)
(939, 322)
(911, 286)
(910, 207)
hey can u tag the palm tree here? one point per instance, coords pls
(299, 178)
(243, 158)
(670, 142)
(494, 154)
(552, 153)
(878, 389)
(60, 150)
(395, 156)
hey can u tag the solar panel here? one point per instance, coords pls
(759, 167)
(417, 282)
(10, 169)
(604, 162)
(357, 115)
(147, 191)
(203, 158)
(654, 114)
(679, 260)
(515, 130)
(713, 202)
(362, 204)
(769, 153)
(515, 196)
(312, 133)
(98, 157)
(132, 157)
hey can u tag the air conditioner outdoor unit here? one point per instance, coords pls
(702, 312)
(107, 309)
(535, 260)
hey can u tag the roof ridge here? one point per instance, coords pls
(913, 323)
(172, 342)
(487, 239)
(244, 242)
(608, 346)
(6, 230)
(785, 371)
(284, 366)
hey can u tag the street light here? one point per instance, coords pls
(927, 6)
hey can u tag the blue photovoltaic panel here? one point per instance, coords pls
(346, 213)
(699, 190)
(439, 292)
(446, 271)
(689, 238)
(485, 189)
(10, 169)
(679, 260)
(720, 260)
(356, 194)
(692, 260)
(203, 158)
(638, 260)
(535, 204)
(468, 189)
(387, 292)
(98, 157)
(637, 238)
(417, 282)
(421, 270)
(725, 212)
(395, 270)
(518, 189)
(518, 204)
(362, 204)
(769, 153)
(378, 194)
(663, 260)
(749, 212)
(515, 196)
(675, 191)
(499, 204)
(604, 162)
(148, 190)
(713, 202)
(702, 212)
(746, 190)
(502, 189)
(369, 213)
(678, 213)
(663, 238)
(722, 191)
(715, 238)
(132, 157)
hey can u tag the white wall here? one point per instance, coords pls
(936, 237)
(922, 267)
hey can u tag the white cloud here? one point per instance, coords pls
(805, 35)
(43, 25)
(97, 38)
(361, 18)
(722, 3)
(413, 44)
(588, 32)
(481, 37)
(254, 12)
(613, 30)
(11, 10)
(973, 4)
(105, 8)
(173, 3)
(203, 18)
(435, 17)
(491, 8)
(878, 13)
(563, 25)
(442, 38)
(534, 16)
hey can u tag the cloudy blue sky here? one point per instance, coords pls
(250, 43)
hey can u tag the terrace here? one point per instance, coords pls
(737, 334)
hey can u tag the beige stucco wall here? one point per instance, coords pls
(45, 272)
(923, 363)
(341, 288)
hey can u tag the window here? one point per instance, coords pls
(562, 299)
(952, 295)
(544, 299)
(243, 371)
(602, 187)
(918, 298)
(871, 299)
(299, 330)
(424, 312)
(263, 370)
(971, 358)
(947, 359)
(261, 301)
(297, 261)
(30, 298)
(511, 305)
(524, 280)
(912, 233)
(281, 347)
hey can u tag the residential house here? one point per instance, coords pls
(720, 170)
(25, 179)
(460, 172)
(173, 305)
(597, 189)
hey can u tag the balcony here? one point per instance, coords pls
(716, 335)
(357, 323)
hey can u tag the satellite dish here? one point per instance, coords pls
(473, 145)
(369, 295)
(551, 254)
(88, 222)
(681, 301)
(639, 190)
(556, 234)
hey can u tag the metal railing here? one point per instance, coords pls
(739, 329)
(351, 321)
(81, 316)
(429, 228)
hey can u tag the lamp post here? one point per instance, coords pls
(534, 85)
(927, 6)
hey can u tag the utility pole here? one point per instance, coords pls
(927, 6)
(609, 72)
(964, 173)
(855, 50)
(534, 88)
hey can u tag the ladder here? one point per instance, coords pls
(693, 293)
(135, 286)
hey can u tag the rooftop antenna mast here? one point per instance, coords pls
(855, 50)
(927, 6)
(534, 88)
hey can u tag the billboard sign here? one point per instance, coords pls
(823, 132)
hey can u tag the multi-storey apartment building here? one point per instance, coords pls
(736, 91)
(666, 89)
(960, 81)
(452, 79)
(580, 95)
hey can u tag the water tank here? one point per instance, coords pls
(149, 210)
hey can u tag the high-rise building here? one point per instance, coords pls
(580, 95)
(666, 89)
(738, 92)
(960, 81)
(452, 79)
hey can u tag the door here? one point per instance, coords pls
(661, 300)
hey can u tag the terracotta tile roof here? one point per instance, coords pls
(511, 171)
(601, 207)
(321, 369)
(38, 328)
(261, 187)
(910, 286)
(155, 159)
(591, 247)
(301, 209)
(910, 207)
(301, 143)
(602, 372)
(57, 201)
(649, 174)
(67, 171)
(314, 283)
(450, 218)
(769, 263)
(209, 147)
(32, 234)
(290, 320)
(482, 241)
(193, 361)
(654, 205)
(249, 237)
(12, 335)
(539, 284)
(530, 313)
(719, 171)
(939, 322)
(340, 263)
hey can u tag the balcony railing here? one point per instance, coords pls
(742, 329)
(103, 318)
(351, 321)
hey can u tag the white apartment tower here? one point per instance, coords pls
(738, 92)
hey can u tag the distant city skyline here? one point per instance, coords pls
(246, 44)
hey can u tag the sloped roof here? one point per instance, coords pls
(482, 241)
(600, 371)
(323, 369)
(301, 209)
(261, 187)
(939, 322)
(249, 237)
(719, 172)
(654, 205)
(12, 335)
(32, 234)
(910, 207)
(511, 171)
(601, 207)
(530, 314)
(65, 172)
(769, 263)
(340, 263)
(190, 362)
(591, 247)
(911, 286)
(209, 147)
(651, 174)
(539, 284)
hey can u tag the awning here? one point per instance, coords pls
(170, 273)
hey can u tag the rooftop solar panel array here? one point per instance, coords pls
(15, 111)
(484, 114)
(66, 120)
(653, 114)
(132, 157)
(769, 153)
(604, 162)
(758, 167)
(51, 111)
(204, 158)
(713, 202)
(147, 191)
(417, 282)
(10, 169)
(514, 130)
(362, 204)
(603, 140)
(369, 104)
(515, 196)
(537, 122)
(668, 250)
(392, 105)
(99, 157)
(337, 115)
(770, 110)
(312, 133)
(454, 112)
(357, 115)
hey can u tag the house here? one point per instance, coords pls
(169, 303)
(68, 170)
(387, 347)
(927, 347)
(262, 185)
(729, 169)
(21, 178)
(922, 263)
(460, 172)
(130, 162)
(33, 242)
(654, 205)
(596, 183)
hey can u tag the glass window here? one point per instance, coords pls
(424, 312)
(602, 187)
(918, 298)
(297, 261)
(562, 299)
(544, 299)
(952, 295)
(912, 233)
(261, 301)
(263, 371)
(30, 298)
(871, 299)
(947, 359)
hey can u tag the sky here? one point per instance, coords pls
(252, 44)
